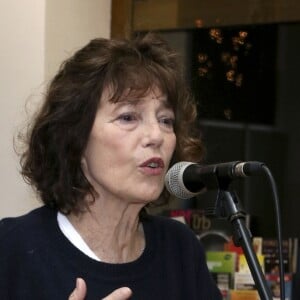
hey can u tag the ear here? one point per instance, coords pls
(83, 162)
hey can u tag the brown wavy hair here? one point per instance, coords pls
(60, 131)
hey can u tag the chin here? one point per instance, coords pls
(147, 194)
(152, 197)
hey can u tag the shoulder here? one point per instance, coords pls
(14, 228)
(174, 229)
(169, 223)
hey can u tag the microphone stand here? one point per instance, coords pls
(227, 206)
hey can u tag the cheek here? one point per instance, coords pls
(171, 144)
(99, 164)
(105, 151)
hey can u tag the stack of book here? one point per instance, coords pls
(227, 262)
(222, 265)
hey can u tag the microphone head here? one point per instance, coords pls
(174, 181)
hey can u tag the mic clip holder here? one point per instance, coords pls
(227, 205)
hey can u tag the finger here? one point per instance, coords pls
(119, 294)
(80, 290)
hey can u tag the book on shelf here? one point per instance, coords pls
(257, 244)
(227, 262)
(274, 284)
(243, 281)
(221, 261)
(222, 266)
(289, 251)
(223, 281)
(266, 250)
(213, 232)
(243, 266)
(197, 220)
(244, 295)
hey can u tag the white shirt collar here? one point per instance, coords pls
(73, 236)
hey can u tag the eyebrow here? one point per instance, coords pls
(135, 100)
(164, 104)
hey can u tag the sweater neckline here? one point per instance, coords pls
(73, 236)
(108, 271)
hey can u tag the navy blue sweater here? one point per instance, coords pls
(38, 262)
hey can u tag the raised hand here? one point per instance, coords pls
(79, 292)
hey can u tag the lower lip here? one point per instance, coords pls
(152, 171)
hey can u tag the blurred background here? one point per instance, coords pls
(241, 62)
(36, 36)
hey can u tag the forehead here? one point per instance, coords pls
(132, 96)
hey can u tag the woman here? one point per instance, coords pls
(115, 117)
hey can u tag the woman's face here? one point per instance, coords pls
(130, 146)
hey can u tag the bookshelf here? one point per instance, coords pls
(228, 264)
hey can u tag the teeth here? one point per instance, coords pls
(153, 165)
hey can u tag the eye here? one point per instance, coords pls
(167, 122)
(127, 118)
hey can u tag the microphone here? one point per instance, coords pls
(185, 180)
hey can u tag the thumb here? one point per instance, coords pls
(80, 290)
(122, 293)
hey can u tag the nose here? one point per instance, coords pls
(152, 134)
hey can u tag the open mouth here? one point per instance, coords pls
(153, 165)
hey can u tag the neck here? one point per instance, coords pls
(113, 232)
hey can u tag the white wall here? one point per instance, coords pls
(70, 24)
(36, 35)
